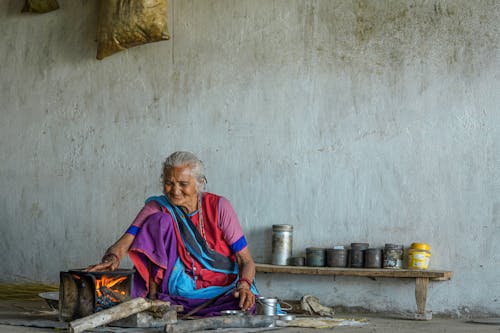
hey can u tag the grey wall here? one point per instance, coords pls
(358, 120)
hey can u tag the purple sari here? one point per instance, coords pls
(154, 251)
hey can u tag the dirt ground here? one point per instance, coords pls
(19, 312)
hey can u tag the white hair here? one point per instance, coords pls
(183, 158)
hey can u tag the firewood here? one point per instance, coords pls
(186, 326)
(107, 316)
(108, 292)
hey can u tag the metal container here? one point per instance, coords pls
(373, 258)
(315, 256)
(286, 317)
(336, 257)
(357, 255)
(393, 256)
(52, 298)
(267, 306)
(282, 244)
(232, 313)
(296, 261)
(83, 293)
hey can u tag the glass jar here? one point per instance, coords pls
(393, 256)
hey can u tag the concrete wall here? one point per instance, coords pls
(354, 121)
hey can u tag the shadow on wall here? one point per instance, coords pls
(260, 243)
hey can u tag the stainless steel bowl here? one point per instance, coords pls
(232, 313)
(52, 298)
(286, 317)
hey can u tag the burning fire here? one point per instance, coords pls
(85, 292)
(105, 286)
(108, 292)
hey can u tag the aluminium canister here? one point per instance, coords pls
(357, 254)
(266, 306)
(373, 258)
(315, 256)
(419, 256)
(296, 261)
(336, 257)
(282, 244)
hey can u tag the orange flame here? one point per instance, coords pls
(109, 283)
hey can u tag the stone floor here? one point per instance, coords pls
(38, 313)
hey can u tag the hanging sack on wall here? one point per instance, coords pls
(39, 6)
(127, 23)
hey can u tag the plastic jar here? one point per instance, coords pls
(419, 256)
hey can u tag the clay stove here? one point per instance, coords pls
(83, 293)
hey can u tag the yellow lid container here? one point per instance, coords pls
(419, 256)
(420, 246)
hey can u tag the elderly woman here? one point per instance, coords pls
(187, 245)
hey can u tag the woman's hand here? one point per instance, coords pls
(246, 267)
(246, 296)
(110, 262)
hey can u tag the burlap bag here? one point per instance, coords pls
(39, 6)
(127, 23)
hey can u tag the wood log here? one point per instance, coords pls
(108, 292)
(145, 319)
(186, 326)
(107, 316)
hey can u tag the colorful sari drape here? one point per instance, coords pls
(164, 239)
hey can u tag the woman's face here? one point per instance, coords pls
(180, 187)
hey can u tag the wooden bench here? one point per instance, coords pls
(421, 277)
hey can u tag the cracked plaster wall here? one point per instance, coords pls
(360, 120)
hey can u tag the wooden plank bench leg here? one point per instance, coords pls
(421, 286)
